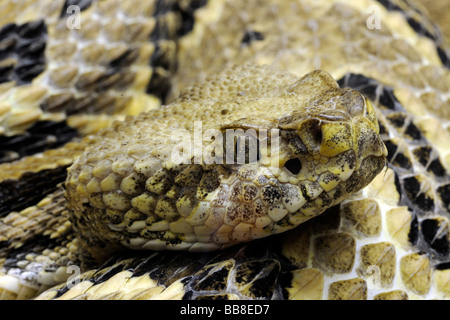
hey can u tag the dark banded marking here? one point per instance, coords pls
(32, 187)
(420, 28)
(43, 135)
(24, 47)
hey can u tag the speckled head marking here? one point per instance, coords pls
(127, 191)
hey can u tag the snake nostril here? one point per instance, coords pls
(293, 165)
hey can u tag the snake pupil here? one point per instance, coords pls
(293, 165)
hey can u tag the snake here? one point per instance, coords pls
(224, 149)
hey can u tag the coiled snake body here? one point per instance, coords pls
(345, 194)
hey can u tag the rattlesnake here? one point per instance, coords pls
(72, 71)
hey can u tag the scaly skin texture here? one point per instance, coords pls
(390, 240)
(129, 190)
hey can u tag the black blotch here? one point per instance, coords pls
(398, 186)
(293, 165)
(360, 83)
(81, 4)
(285, 284)
(161, 59)
(437, 168)
(4, 244)
(388, 99)
(26, 42)
(412, 189)
(368, 87)
(444, 194)
(389, 5)
(413, 234)
(164, 63)
(7, 30)
(400, 159)
(125, 59)
(18, 194)
(185, 10)
(383, 130)
(187, 15)
(328, 221)
(26, 72)
(262, 286)
(188, 295)
(159, 84)
(397, 119)
(419, 28)
(251, 36)
(413, 131)
(216, 281)
(6, 73)
(153, 266)
(423, 155)
(31, 50)
(443, 56)
(32, 30)
(186, 280)
(354, 80)
(43, 135)
(439, 243)
(163, 267)
(442, 266)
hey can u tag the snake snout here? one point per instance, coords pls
(350, 125)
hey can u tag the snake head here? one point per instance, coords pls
(317, 155)
(316, 145)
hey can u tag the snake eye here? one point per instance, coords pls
(311, 135)
(246, 150)
(293, 165)
(241, 147)
(316, 132)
